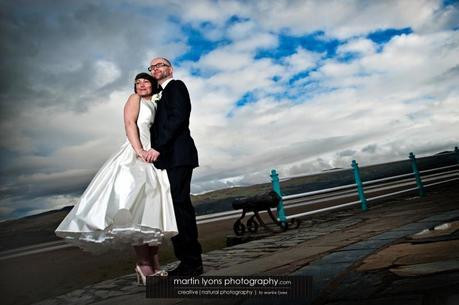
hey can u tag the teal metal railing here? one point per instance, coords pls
(420, 187)
(276, 188)
(358, 182)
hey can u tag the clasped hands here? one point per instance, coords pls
(149, 156)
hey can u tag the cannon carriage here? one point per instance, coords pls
(256, 204)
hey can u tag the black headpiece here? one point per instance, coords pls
(154, 83)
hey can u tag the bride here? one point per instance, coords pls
(128, 202)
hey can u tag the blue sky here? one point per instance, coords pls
(300, 86)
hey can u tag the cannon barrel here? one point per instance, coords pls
(257, 202)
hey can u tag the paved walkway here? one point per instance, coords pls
(350, 255)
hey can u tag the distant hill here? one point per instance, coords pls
(221, 200)
(40, 228)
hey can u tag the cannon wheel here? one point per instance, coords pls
(295, 222)
(238, 228)
(252, 224)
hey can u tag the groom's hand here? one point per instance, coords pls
(151, 155)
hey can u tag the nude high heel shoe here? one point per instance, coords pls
(141, 278)
(160, 272)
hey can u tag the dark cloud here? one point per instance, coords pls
(42, 185)
(49, 49)
(370, 148)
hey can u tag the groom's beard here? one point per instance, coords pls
(161, 75)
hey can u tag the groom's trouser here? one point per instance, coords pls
(186, 245)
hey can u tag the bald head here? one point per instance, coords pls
(163, 59)
(161, 69)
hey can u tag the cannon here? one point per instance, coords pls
(255, 204)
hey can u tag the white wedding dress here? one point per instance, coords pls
(127, 203)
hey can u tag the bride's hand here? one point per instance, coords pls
(151, 155)
(142, 154)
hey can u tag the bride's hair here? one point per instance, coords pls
(151, 79)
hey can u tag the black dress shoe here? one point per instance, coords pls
(186, 270)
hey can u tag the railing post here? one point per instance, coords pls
(276, 187)
(414, 166)
(358, 182)
(456, 150)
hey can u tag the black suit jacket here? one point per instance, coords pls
(170, 132)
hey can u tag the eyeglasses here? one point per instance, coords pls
(157, 66)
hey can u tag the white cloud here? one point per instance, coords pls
(106, 72)
(302, 60)
(225, 59)
(340, 19)
(361, 46)
(214, 11)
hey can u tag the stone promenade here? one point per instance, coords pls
(400, 251)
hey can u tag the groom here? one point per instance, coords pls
(174, 150)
